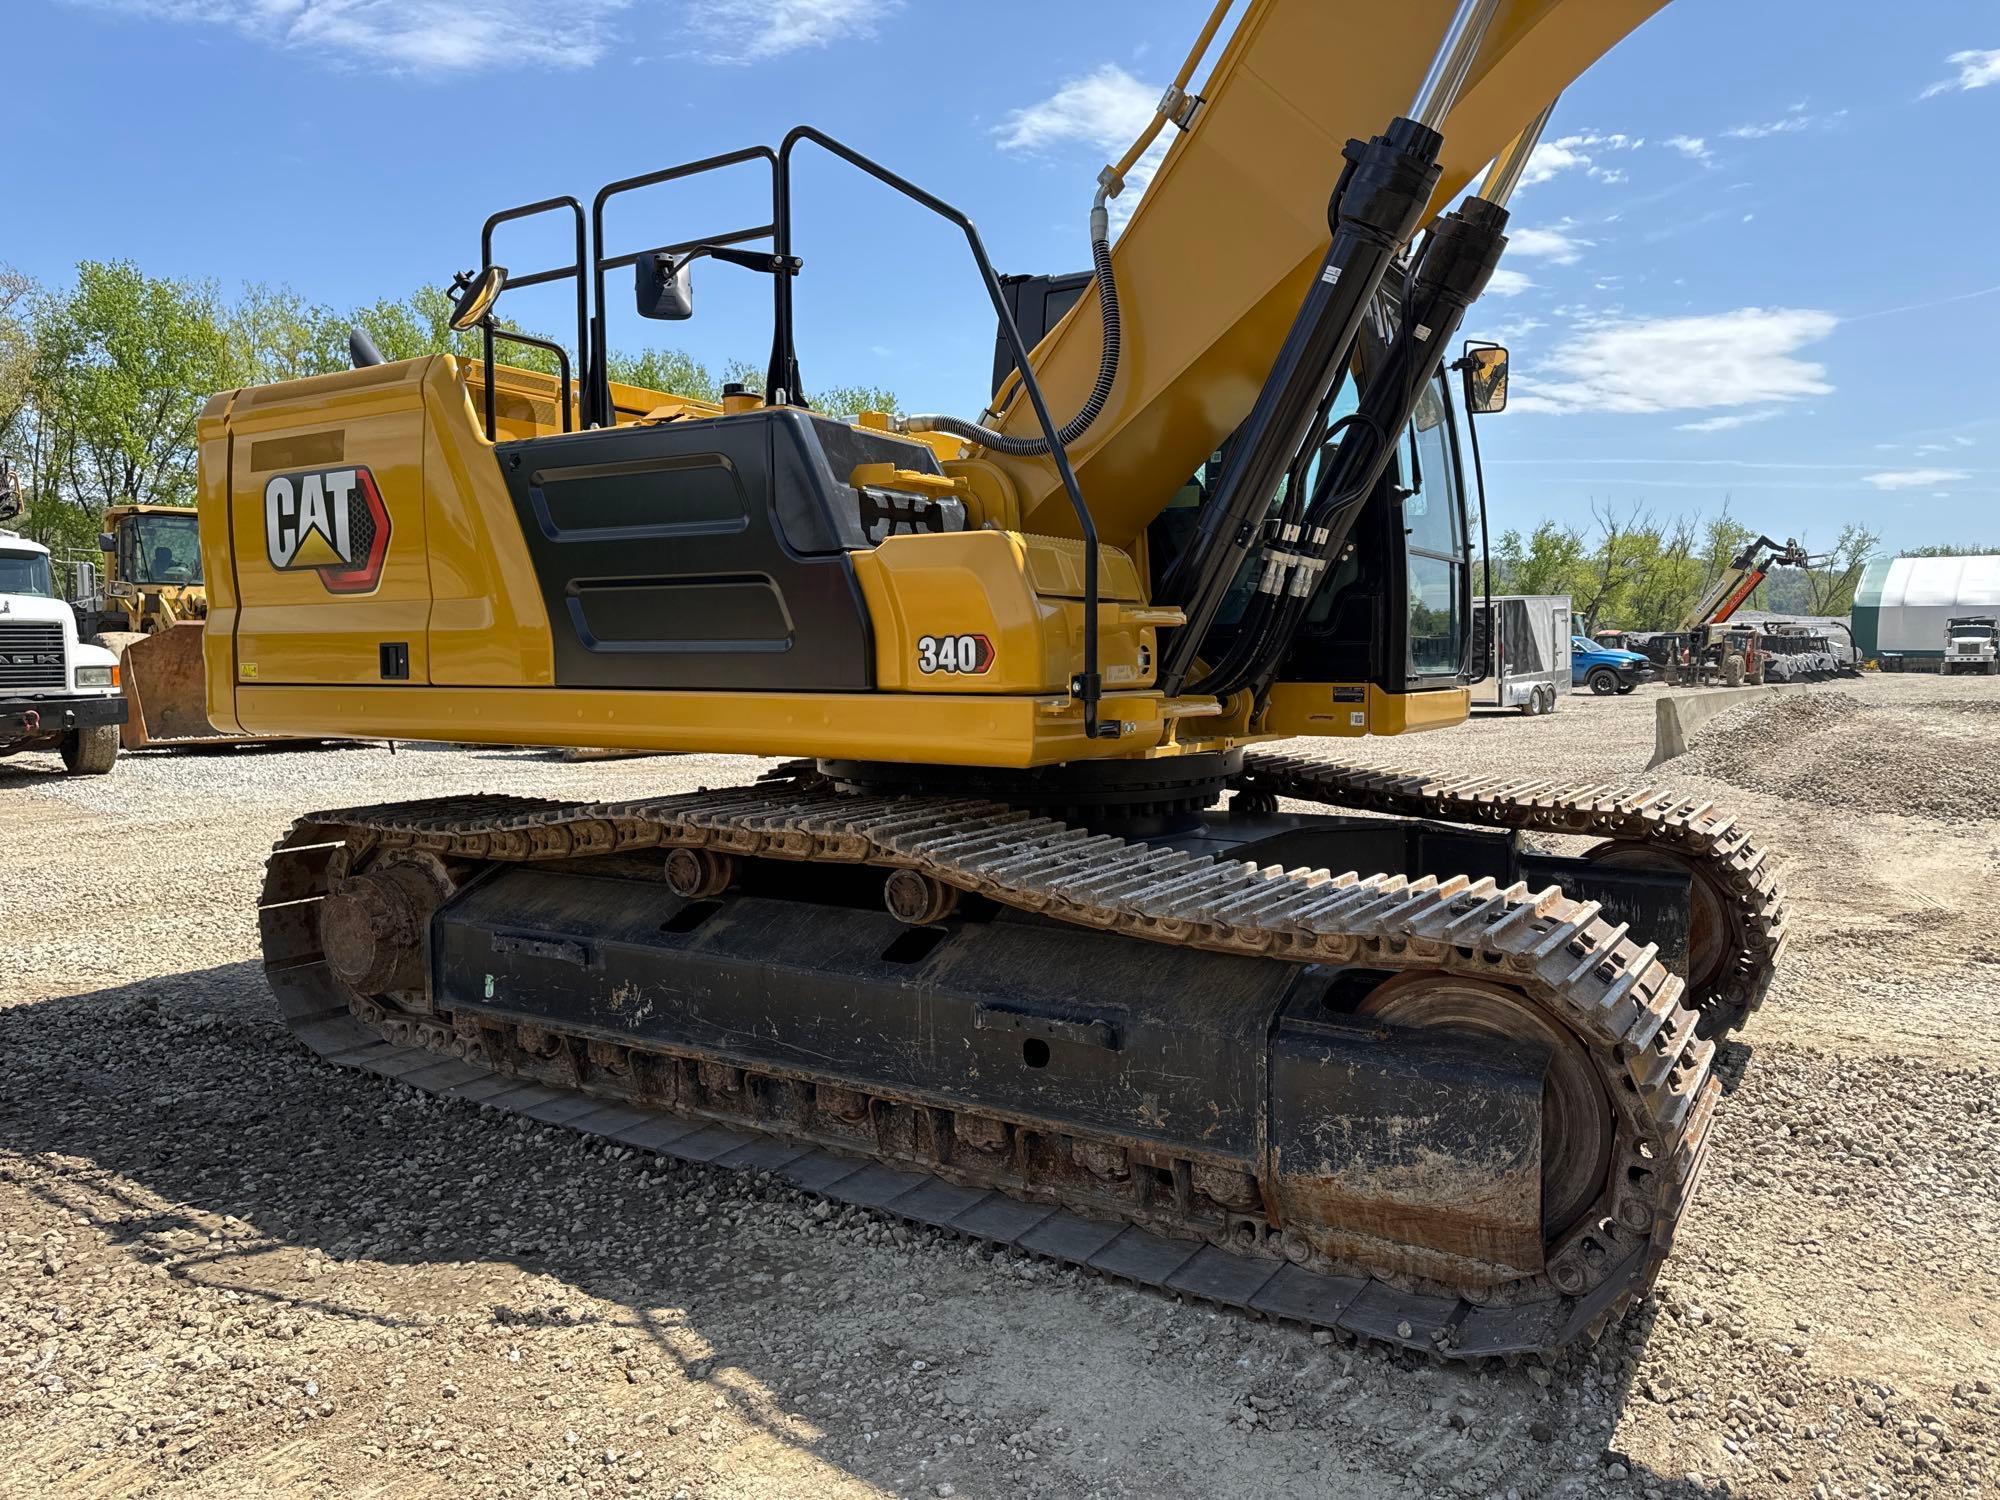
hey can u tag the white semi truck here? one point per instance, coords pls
(56, 692)
(1972, 644)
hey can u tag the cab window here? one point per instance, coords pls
(162, 549)
(27, 573)
(1434, 535)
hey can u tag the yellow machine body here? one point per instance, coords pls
(1455, 1105)
(1212, 267)
(285, 654)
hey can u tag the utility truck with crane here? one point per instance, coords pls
(984, 949)
(1704, 646)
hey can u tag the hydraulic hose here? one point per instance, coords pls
(1174, 105)
(1458, 259)
(1374, 210)
(1107, 366)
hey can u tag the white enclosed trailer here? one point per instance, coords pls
(1524, 641)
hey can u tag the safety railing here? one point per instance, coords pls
(782, 380)
(575, 270)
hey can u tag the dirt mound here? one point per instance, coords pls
(1830, 749)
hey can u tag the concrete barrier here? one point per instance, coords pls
(1676, 716)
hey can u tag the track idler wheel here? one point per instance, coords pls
(1714, 930)
(1578, 1132)
(372, 925)
(918, 899)
(695, 874)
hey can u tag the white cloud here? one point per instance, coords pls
(1104, 110)
(1506, 283)
(1578, 152)
(458, 36)
(1694, 147)
(746, 31)
(1726, 424)
(1793, 120)
(1554, 244)
(1976, 69)
(423, 36)
(1912, 479)
(1746, 357)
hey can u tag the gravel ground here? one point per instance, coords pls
(227, 1269)
(1935, 758)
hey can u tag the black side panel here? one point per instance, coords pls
(698, 555)
(1038, 304)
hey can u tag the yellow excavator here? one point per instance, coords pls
(1027, 936)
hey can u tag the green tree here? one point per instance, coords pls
(123, 363)
(17, 351)
(1660, 595)
(275, 334)
(1831, 580)
(1547, 562)
(850, 400)
(1947, 549)
(667, 370)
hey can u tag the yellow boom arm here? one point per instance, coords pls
(1216, 259)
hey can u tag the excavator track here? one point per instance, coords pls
(1611, 994)
(1739, 912)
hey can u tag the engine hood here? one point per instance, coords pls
(34, 607)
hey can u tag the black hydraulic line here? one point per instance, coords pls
(1282, 555)
(1458, 260)
(1375, 209)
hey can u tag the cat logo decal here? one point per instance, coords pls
(332, 521)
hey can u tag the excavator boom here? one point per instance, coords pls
(1222, 247)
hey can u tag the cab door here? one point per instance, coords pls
(326, 515)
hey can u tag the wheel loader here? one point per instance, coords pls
(148, 607)
(1032, 931)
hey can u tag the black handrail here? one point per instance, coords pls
(782, 383)
(597, 408)
(513, 336)
(783, 376)
(536, 278)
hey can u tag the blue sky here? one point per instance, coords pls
(1757, 262)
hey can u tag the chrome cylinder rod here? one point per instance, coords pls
(1446, 78)
(1505, 173)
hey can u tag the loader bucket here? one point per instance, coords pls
(167, 689)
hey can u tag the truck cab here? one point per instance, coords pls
(1606, 669)
(56, 692)
(1972, 645)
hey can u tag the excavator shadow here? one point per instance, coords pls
(173, 1129)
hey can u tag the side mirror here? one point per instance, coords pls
(664, 288)
(473, 296)
(1485, 369)
(106, 542)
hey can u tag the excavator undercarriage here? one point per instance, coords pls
(1460, 1115)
